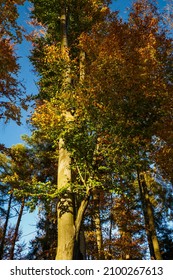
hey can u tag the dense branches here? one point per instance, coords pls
(11, 91)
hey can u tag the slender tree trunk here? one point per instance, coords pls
(171, 181)
(80, 251)
(149, 219)
(13, 242)
(82, 244)
(5, 227)
(65, 212)
(82, 66)
(110, 230)
(97, 222)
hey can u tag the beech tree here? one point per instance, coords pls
(60, 51)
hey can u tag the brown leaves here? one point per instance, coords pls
(8, 17)
(10, 34)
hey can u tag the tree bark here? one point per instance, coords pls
(69, 219)
(65, 212)
(79, 249)
(5, 227)
(149, 218)
(110, 229)
(66, 228)
(13, 242)
(97, 222)
(82, 66)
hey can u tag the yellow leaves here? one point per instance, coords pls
(14, 178)
(105, 10)
(148, 50)
(46, 117)
(99, 105)
(97, 4)
(52, 53)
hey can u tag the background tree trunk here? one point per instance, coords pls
(13, 242)
(149, 218)
(5, 227)
(97, 222)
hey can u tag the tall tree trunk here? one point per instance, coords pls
(13, 242)
(97, 221)
(65, 212)
(66, 228)
(149, 218)
(69, 219)
(110, 229)
(80, 246)
(5, 227)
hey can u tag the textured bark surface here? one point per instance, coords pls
(69, 219)
(149, 219)
(97, 222)
(5, 227)
(66, 228)
(16, 232)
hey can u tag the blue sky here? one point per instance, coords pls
(10, 133)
